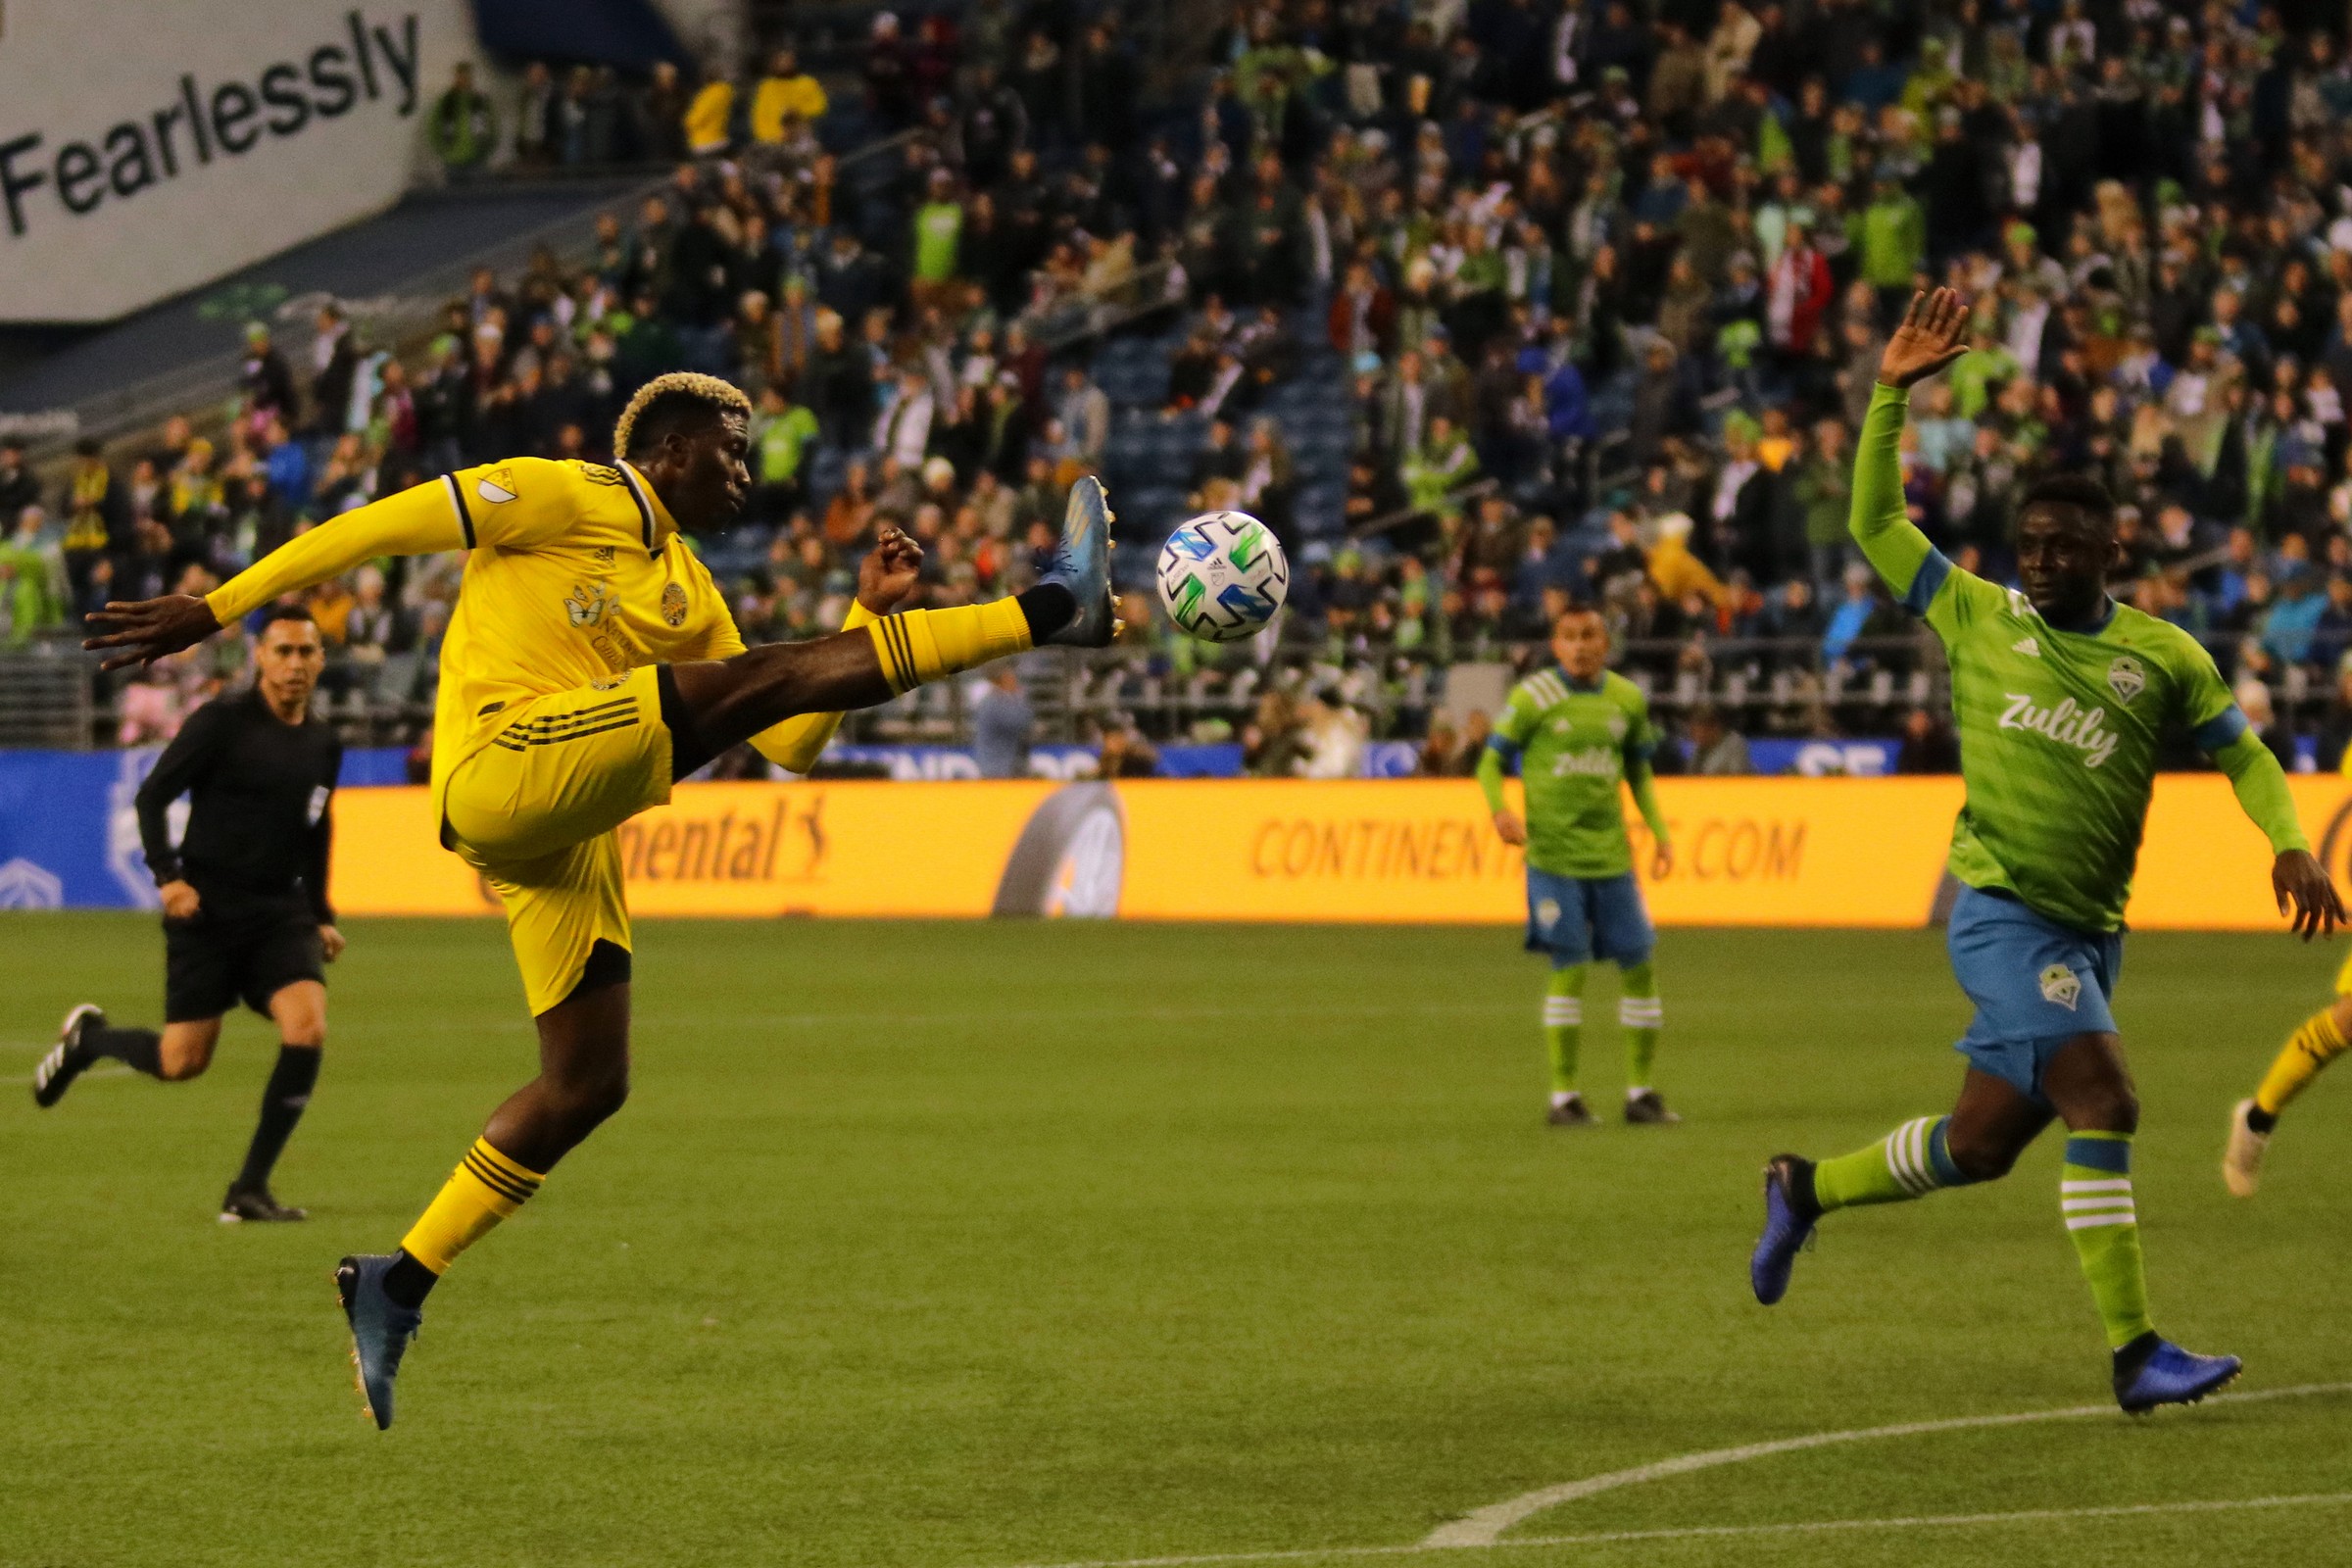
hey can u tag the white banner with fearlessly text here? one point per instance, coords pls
(149, 146)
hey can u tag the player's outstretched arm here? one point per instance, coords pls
(2297, 878)
(1928, 340)
(885, 578)
(417, 522)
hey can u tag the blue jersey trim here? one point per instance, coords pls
(1932, 572)
(2113, 1154)
(1508, 750)
(2222, 729)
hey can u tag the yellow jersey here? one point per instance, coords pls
(575, 574)
(777, 96)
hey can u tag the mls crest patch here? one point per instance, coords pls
(2127, 676)
(673, 606)
(1547, 913)
(496, 487)
(2061, 985)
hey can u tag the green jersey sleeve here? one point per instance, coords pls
(2205, 707)
(1505, 744)
(1922, 576)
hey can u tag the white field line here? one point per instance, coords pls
(834, 1021)
(1528, 1009)
(1607, 1537)
(1485, 1527)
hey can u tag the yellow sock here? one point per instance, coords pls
(484, 1189)
(2309, 1048)
(922, 645)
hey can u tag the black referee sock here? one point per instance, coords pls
(140, 1048)
(289, 1091)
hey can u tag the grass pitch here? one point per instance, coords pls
(971, 1246)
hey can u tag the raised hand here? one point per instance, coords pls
(151, 629)
(890, 572)
(1930, 338)
(2298, 877)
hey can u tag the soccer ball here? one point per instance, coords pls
(1222, 576)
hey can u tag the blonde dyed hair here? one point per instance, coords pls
(719, 396)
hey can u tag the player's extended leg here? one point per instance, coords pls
(2086, 1080)
(2318, 1040)
(727, 702)
(299, 1011)
(1563, 1035)
(1989, 1126)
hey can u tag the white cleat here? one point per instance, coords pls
(2241, 1161)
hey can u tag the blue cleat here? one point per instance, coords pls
(2152, 1371)
(380, 1329)
(1083, 567)
(1788, 1216)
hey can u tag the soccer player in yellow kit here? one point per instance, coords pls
(590, 664)
(2317, 1040)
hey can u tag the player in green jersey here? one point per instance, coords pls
(1578, 732)
(2063, 697)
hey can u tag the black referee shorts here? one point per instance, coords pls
(224, 955)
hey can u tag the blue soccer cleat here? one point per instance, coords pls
(1083, 567)
(2152, 1371)
(1788, 1216)
(380, 1329)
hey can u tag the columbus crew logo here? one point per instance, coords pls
(673, 606)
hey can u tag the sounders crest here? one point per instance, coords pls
(2128, 677)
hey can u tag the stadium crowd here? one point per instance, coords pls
(1604, 284)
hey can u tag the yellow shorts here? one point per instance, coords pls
(535, 812)
(2343, 978)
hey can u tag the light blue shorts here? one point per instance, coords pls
(1577, 919)
(2036, 985)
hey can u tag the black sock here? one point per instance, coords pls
(1801, 1189)
(2261, 1121)
(408, 1281)
(289, 1090)
(140, 1048)
(1049, 606)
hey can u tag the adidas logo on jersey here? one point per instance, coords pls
(2067, 724)
(2026, 646)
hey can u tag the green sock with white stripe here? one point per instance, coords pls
(1640, 1014)
(1909, 1163)
(2095, 1194)
(1564, 1026)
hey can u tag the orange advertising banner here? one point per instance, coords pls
(1773, 852)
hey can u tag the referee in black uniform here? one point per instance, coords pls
(244, 896)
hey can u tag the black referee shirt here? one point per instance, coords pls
(259, 817)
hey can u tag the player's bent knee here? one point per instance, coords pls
(585, 1103)
(1981, 1159)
